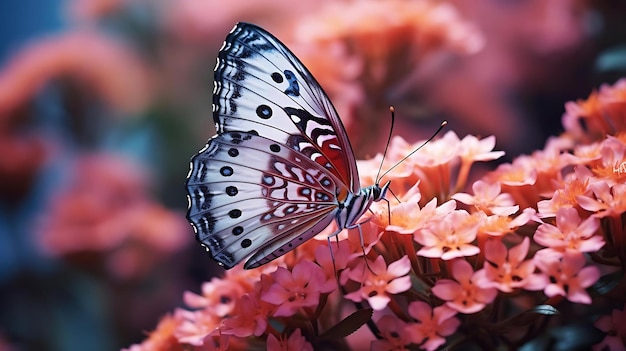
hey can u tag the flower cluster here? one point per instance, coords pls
(435, 259)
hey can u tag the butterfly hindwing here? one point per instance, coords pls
(261, 87)
(251, 195)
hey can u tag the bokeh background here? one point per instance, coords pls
(103, 102)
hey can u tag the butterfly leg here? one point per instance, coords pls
(332, 255)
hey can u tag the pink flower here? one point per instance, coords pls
(570, 233)
(252, 313)
(463, 295)
(104, 65)
(487, 197)
(608, 201)
(615, 328)
(507, 270)
(195, 326)
(394, 335)
(575, 184)
(219, 297)
(432, 326)
(300, 288)
(408, 217)
(471, 149)
(499, 225)
(294, 342)
(567, 276)
(450, 237)
(378, 281)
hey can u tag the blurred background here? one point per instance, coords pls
(103, 102)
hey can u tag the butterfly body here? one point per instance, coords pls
(280, 168)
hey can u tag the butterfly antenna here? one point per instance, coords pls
(443, 124)
(393, 119)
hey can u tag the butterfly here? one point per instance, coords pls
(280, 168)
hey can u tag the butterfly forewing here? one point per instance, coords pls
(261, 87)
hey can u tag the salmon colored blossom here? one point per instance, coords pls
(393, 333)
(298, 288)
(295, 341)
(432, 325)
(218, 295)
(474, 149)
(449, 238)
(566, 275)
(104, 65)
(507, 270)
(607, 201)
(614, 325)
(571, 233)
(378, 281)
(500, 225)
(488, 198)
(408, 217)
(463, 294)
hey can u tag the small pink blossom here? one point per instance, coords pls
(463, 295)
(487, 197)
(614, 326)
(608, 201)
(507, 270)
(567, 276)
(219, 296)
(499, 225)
(472, 149)
(432, 326)
(294, 342)
(408, 217)
(570, 233)
(394, 335)
(195, 326)
(300, 288)
(252, 314)
(450, 237)
(378, 281)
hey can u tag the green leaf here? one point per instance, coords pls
(348, 325)
(607, 282)
(547, 310)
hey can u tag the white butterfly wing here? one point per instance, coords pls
(262, 88)
(249, 195)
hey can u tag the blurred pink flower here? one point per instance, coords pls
(103, 65)
(299, 288)
(218, 297)
(614, 326)
(86, 11)
(450, 237)
(379, 280)
(105, 208)
(464, 295)
(432, 326)
(600, 114)
(295, 341)
(162, 338)
(571, 233)
(195, 326)
(508, 270)
(393, 333)
(566, 275)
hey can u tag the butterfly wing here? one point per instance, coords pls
(261, 87)
(250, 196)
